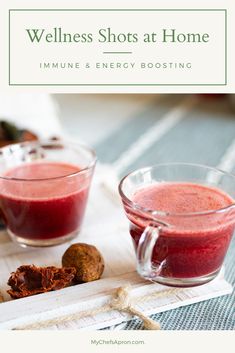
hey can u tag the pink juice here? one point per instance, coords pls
(40, 207)
(192, 246)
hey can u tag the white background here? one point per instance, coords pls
(207, 59)
(205, 73)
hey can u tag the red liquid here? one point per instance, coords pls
(44, 209)
(192, 246)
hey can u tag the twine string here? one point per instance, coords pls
(121, 302)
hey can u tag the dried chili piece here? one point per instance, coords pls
(10, 133)
(30, 280)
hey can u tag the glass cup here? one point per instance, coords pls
(179, 249)
(44, 188)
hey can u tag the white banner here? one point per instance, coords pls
(119, 48)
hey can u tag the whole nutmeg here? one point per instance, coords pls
(87, 260)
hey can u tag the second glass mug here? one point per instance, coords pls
(44, 187)
(184, 249)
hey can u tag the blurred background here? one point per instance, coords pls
(129, 131)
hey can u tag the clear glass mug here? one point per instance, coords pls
(44, 211)
(184, 249)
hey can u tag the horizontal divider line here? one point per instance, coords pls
(117, 52)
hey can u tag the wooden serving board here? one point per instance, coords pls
(106, 227)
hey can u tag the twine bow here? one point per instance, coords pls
(122, 302)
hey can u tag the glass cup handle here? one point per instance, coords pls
(145, 248)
